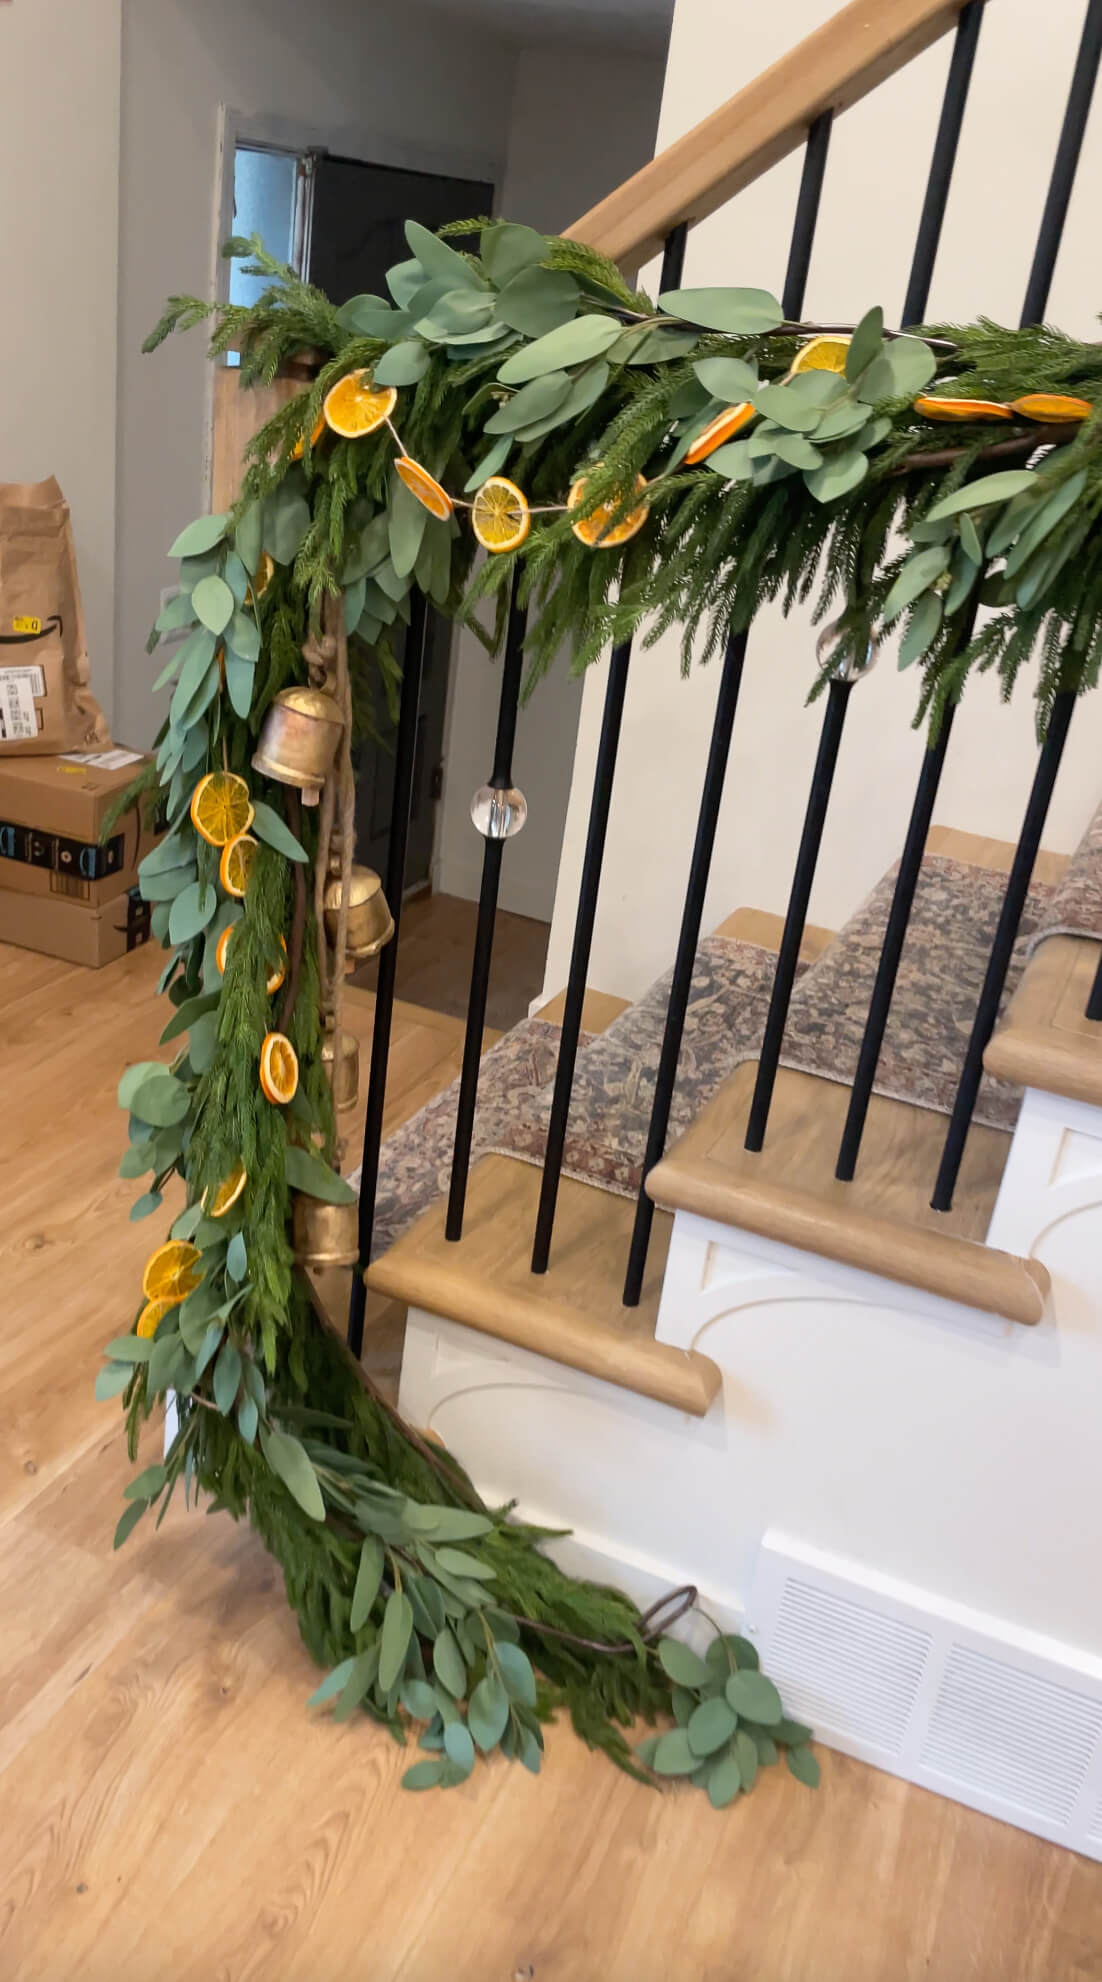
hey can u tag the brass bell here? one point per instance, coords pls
(342, 1070)
(299, 739)
(370, 923)
(324, 1234)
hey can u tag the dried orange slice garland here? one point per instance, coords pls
(227, 1193)
(221, 809)
(170, 1272)
(500, 516)
(236, 863)
(152, 1315)
(598, 530)
(425, 487)
(278, 1069)
(221, 953)
(724, 427)
(822, 354)
(355, 406)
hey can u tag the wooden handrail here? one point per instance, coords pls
(841, 62)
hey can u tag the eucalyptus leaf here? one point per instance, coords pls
(129, 1349)
(162, 681)
(803, 1765)
(406, 520)
(917, 575)
(662, 346)
(394, 1638)
(797, 450)
(248, 536)
(710, 1726)
(370, 316)
(839, 421)
(423, 1775)
(403, 364)
(145, 1205)
(237, 1259)
(538, 300)
(448, 1663)
(724, 1782)
(208, 1348)
(291, 1463)
(682, 1664)
(458, 1746)
(516, 1671)
(147, 1485)
(176, 613)
(191, 911)
(404, 280)
(162, 1100)
(731, 380)
(200, 536)
(865, 343)
(333, 1683)
(356, 1687)
(733, 461)
(195, 657)
(789, 409)
(129, 1521)
(182, 1020)
(506, 249)
(248, 1420)
(203, 1043)
(240, 684)
(571, 343)
(904, 366)
(674, 1755)
(754, 1697)
(286, 521)
(243, 636)
(269, 827)
(369, 1578)
(488, 1712)
(438, 259)
(165, 887)
(1043, 520)
(135, 1161)
(112, 1379)
(227, 1378)
(214, 603)
(585, 391)
(236, 577)
(309, 1173)
(533, 402)
(136, 1076)
(490, 463)
(419, 1701)
(838, 475)
(743, 312)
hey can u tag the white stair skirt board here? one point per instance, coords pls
(1006, 1721)
(942, 1448)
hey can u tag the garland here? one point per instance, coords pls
(677, 463)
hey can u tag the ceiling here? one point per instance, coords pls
(637, 25)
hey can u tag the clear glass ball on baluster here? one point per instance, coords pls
(846, 669)
(499, 812)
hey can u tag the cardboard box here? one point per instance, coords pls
(79, 932)
(52, 811)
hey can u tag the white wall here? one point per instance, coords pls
(59, 202)
(874, 185)
(393, 84)
(553, 174)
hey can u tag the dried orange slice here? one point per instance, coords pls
(235, 865)
(428, 491)
(822, 354)
(500, 516)
(220, 807)
(170, 1271)
(961, 409)
(598, 530)
(265, 572)
(354, 406)
(723, 427)
(227, 1193)
(278, 1069)
(299, 447)
(152, 1313)
(275, 977)
(1052, 406)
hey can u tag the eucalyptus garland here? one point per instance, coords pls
(670, 463)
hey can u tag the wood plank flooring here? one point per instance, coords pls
(434, 961)
(169, 1813)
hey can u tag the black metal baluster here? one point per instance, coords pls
(1002, 949)
(673, 261)
(942, 162)
(1094, 1002)
(795, 921)
(501, 779)
(404, 759)
(795, 284)
(1064, 168)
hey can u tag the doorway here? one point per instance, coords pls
(339, 223)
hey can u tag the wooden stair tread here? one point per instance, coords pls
(882, 1221)
(572, 1313)
(1046, 1040)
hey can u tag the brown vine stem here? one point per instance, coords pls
(298, 918)
(1000, 450)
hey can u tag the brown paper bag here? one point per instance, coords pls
(46, 703)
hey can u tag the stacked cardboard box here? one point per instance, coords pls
(63, 889)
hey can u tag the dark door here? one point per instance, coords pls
(358, 214)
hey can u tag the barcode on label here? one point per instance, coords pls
(18, 717)
(72, 885)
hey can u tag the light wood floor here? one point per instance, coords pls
(434, 960)
(169, 1814)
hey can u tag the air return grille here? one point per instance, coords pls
(963, 1703)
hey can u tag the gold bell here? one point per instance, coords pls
(370, 923)
(342, 1070)
(298, 742)
(324, 1234)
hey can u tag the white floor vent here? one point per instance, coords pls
(968, 1705)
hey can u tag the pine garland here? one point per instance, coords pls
(702, 433)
